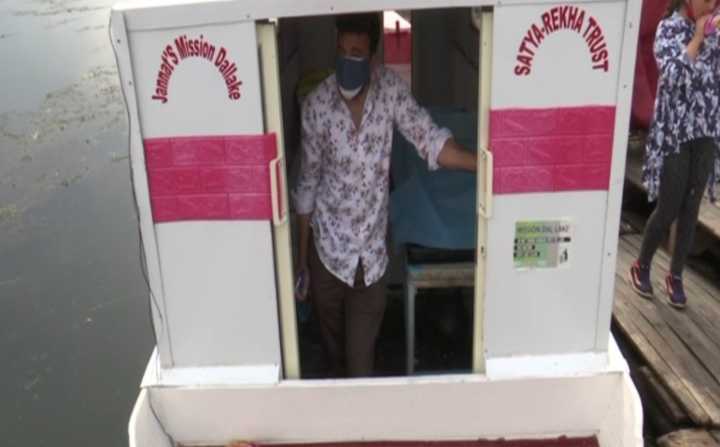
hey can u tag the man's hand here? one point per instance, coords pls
(454, 156)
(302, 284)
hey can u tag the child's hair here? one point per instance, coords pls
(673, 6)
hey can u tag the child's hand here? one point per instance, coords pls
(700, 28)
(712, 25)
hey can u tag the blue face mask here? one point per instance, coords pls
(352, 73)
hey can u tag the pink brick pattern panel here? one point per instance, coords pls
(210, 178)
(551, 150)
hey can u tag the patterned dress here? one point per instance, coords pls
(688, 98)
(344, 171)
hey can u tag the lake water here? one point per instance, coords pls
(74, 326)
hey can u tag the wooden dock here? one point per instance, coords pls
(680, 348)
(690, 438)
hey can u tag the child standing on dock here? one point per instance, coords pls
(682, 145)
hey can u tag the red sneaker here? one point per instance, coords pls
(639, 277)
(675, 291)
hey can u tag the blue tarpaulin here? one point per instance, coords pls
(434, 209)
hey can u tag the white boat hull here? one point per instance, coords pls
(439, 408)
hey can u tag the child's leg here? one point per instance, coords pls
(673, 185)
(702, 157)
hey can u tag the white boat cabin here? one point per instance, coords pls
(542, 90)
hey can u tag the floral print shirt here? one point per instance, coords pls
(344, 171)
(687, 105)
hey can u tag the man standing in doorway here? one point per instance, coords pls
(343, 190)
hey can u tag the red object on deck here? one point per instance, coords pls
(397, 45)
(646, 72)
(556, 442)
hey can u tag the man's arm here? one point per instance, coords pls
(434, 144)
(454, 156)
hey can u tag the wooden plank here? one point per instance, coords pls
(672, 371)
(704, 296)
(703, 346)
(715, 434)
(690, 370)
(426, 276)
(625, 317)
(667, 403)
(689, 338)
(682, 360)
(655, 416)
(688, 438)
(709, 216)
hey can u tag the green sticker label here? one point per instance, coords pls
(542, 244)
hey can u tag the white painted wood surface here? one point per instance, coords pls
(208, 376)
(562, 73)
(554, 365)
(552, 311)
(623, 424)
(221, 298)
(198, 103)
(544, 311)
(281, 232)
(425, 408)
(463, 408)
(145, 430)
(603, 403)
(565, 83)
(630, 31)
(217, 277)
(121, 46)
(545, 365)
(149, 14)
(484, 204)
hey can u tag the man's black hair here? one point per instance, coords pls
(366, 23)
